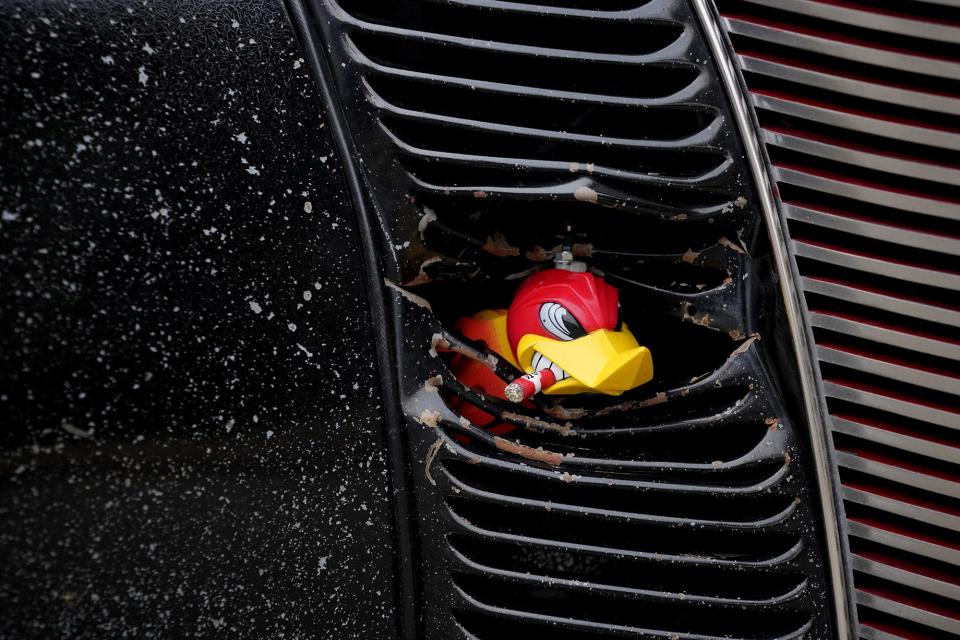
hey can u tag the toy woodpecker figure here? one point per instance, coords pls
(564, 330)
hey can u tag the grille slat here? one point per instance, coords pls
(914, 577)
(876, 265)
(858, 109)
(861, 226)
(882, 300)
(838, 152)
(908, 611)
(828, 44)
(896, 473)
(897, 539)
(864, 122)
(865, 17)
(892, 402)
(868, 192)
(888, 369)
(884, 334)
(901, 506)
(795, 71)
(921, 446)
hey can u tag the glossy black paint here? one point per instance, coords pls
(192, 424)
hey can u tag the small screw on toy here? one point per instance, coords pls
(529, 385)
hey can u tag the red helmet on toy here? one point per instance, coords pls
(569, 322)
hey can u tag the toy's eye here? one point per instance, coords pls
(560, 322)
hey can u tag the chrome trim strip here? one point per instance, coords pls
(851, 86)
(899, 474)
(875, 333)
(892, 405)
(856, 122)
(866, 632)
(908, 578)
(905, 509)
(885, 369)
(874, 195)
(838, 49)
(917, 275)
(896, 440)
(928, 30)
(827, 482)
(920, 616)
(905, 543)
(887, 233)
(867, 159)
(880, 301)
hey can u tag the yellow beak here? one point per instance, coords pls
(603, 361)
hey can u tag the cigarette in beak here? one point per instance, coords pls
(525, 387)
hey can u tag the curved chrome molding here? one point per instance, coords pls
(838, 571)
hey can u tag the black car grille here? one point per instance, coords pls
(859, 107)
(485, 131)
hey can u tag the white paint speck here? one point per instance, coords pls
(255, 307)
(146, 47)
(269, 434)
(291, 326)
(235, 24)
(252, 170)
(9, 216)
(142, 76)
(106, 59)
(307, 295)
(241, 138)
(308, 206)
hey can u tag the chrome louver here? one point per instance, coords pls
(859, 111)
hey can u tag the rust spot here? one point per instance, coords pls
(428, 217)
(562, 413)
(736, 334)
(787, 458)
(431, 454)
(433, 383)
(772, 423)
(536, 423)
(540, 455)
(730, 244)
(745, 345)
(480, 194)
(582, 249)
(438, 343)
(740, 202)
(679, 217)
(487, 359)
(539, 254)
(429, 417)
(728, 280)
(566, 477)
(498, 245)
(412, 297)
(585, 194)
(574, 167)
(690, 256)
